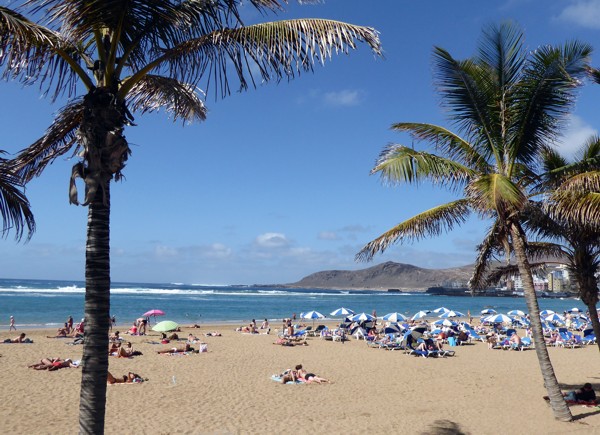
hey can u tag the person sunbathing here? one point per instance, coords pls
(289, 376)
(52, 364)
(303, 375)
(213, 334)
(129, 378)
(185, 348)
(20, 339)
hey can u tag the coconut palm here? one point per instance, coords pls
(14, 205)
(578, 196)
(506, 103)
(140, 56)
(578, 242)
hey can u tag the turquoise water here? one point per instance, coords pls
(40, 303)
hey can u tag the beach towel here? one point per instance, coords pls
(277, 378)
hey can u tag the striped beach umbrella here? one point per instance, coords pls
(341, 312)
(419, 315)
(395, 317)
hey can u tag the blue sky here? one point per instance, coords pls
(275, 184)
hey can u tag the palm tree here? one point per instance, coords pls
(14, 205)
(578, 242)
(506, 103)
(140, 56)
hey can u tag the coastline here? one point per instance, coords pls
(229, 390)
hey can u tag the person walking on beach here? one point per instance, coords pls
(12, 324)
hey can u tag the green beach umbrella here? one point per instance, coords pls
(165, 326)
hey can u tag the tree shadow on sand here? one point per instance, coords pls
(444, 427)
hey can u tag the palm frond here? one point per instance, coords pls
(509, 271)
(399, 164)
(182, 100)
(501, 48)
(544, 250)
(59, 138)
(466, 90)
(493, 244)
(580, 207)
(14, 205)
(432, 222)
(496, 192)
(24, 45)
(546, 95)
(276, 50)
(449, 144)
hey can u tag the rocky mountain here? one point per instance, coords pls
(386, 276)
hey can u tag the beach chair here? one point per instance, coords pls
(317, 331)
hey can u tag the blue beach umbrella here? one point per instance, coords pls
(394, 317)
(362, 317)
(441, 310)
(546, 312)
(312, 315)
(444, 322)
(497, 318)
(419, 315)
(574, 310)
(555, 318)
(516, 313)
(392, 328)
(488, 311)
(341, 312)
(451, 314)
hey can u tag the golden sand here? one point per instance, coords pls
(229, 389)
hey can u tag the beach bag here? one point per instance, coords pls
(203, 347)
(452, 341)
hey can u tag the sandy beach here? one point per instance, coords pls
(229, 389)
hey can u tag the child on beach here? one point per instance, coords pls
(12, 324)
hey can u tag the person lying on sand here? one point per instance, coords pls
(185, 348)
(213, 334)
(20, 339)
(129, 378)
(303, 375)
(584, 395)
(52, 364)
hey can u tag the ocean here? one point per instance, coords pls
(46, 303)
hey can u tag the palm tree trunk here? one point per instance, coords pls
(557, 401)
(92, 397)
(595, 322)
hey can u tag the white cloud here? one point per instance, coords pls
(327, 235)
(585, 13)
(575, 136)
(217, 251)
(272, 240)
(342, 98)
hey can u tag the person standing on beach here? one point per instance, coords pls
(70, 323)
(12, 324)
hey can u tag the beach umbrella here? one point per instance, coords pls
(546, 312)
(451, 314)
(555, 318)
(441, 310)
(394, 317)
(362, 317)
(444, 322)
(419, 315)
(574, 310)
(497, 318)
(488, 311)
(516, 313)
(341, 312)
(392, 328)
(165, 326)
(154, 313)
(312, 315)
